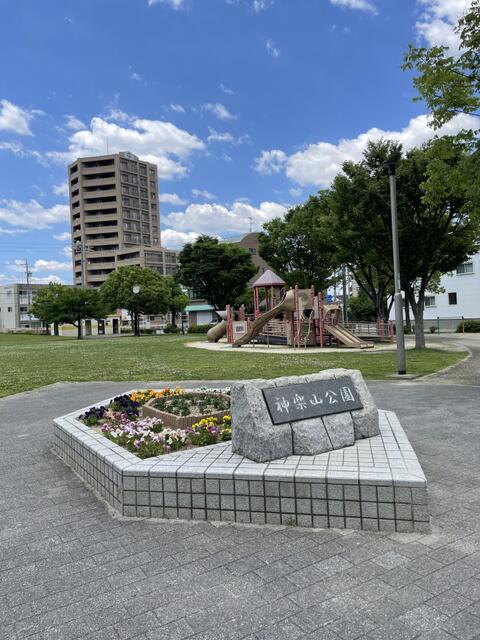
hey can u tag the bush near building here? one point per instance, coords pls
(469, 326)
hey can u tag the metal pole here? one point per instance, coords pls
(345, 294)
(401, 360)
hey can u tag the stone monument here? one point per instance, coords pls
(302, 415)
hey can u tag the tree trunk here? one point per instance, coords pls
(173, 313)
(79, 329)
(55, 329)
(408, 322)
(137, 324)
(417, 309)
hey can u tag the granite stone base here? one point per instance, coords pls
(377, 484)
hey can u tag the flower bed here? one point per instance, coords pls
(122, 422)
(183, 410)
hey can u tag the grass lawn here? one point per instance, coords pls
(29, 361)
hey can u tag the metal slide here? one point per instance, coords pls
(287, 304)
(348, 339)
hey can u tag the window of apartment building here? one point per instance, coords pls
(143, 181)
(430, 301)
(124, 177)
(146, 228)
(151, 172)
(74, 182)
(155, 240)
(253, 251)
(452, 298)
(23, 309)
(9, 309)
(146, 240)
(132, 166)
(142, 169)
(123, 165)
(153, 257)
(465, 268)
(170, 269)
(153, 207)
(144, 193)
(145, 204)
(170, 257)
(74, 168)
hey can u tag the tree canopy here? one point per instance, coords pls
(140, 290)
(450, 83)
(438, 216)
(63, 304)
(298, 246)
(218, 271)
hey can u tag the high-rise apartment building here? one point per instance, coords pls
(115, 217)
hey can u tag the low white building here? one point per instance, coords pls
(461, 297)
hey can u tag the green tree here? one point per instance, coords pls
(438, 216)
(298, 246)
(77, 304)
(178, 298)
(140, 290)
(361, 307)
(359, 223)
(450, 84)
(219, 272)
(46, 305)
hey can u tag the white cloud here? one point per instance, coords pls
(202, 193)
(217, 136)
(152, 140)
(176, 239)
(47, 279)
(216, 218)
(363, 5)
(67, 250)
(135, 76)
(319, 163)
(11, 232)
(72, 122)
(51, 265)
(226, 90)
(295, 193)
(14, 118)
(21, 152)
(66, 235)
(31, 214)
(175, 4)
(171, 198)
(61, 189)
(219, 110)
(271, 162)
(261, 5)
(272, 49)
(177, 108)
(438, 20)
(118, 115)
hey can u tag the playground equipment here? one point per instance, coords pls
(296, 317)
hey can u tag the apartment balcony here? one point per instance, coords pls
(99, 193)
(99, 182)
(88, 171)
(96, 206)
(98, 242)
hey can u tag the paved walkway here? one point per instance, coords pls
(71, 569)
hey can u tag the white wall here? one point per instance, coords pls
(467, 288)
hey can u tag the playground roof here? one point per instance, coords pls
(269, 279)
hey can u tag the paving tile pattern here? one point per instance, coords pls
(70, 568)
(377, 484)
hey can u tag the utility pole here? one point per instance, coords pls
(345, 293)
(81, 248)
(29, 301)
(401, 359)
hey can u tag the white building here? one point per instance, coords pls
(461, 298)
(15, 301)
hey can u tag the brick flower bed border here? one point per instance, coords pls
(376, 485)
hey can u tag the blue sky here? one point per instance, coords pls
(247, 106)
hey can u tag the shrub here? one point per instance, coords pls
(433, 329)
(469, 326)
(147, 332)
(171, 328)
(199, 328)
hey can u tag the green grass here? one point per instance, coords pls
(29, 361)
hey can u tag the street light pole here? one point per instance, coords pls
(136, 332)
(401, 359)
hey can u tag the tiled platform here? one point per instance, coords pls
(377, 484)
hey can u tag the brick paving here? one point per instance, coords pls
(71, 569)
